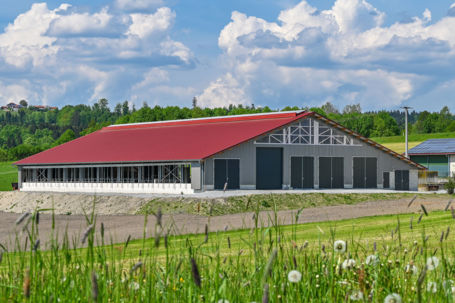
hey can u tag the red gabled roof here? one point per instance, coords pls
(163, 141)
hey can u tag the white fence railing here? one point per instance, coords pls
(121, 188)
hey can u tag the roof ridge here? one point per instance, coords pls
(228, 118)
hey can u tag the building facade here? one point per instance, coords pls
(436, 155)
(286, 150)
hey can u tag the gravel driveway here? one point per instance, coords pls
(118, 228)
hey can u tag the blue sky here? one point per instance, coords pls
(380, 53)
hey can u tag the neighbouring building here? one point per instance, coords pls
(283, 150)
(436, 155)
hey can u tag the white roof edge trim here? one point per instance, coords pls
(209, 118)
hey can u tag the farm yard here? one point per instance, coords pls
(407, 257)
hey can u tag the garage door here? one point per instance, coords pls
(269, 168)
(365, 172)
(402, 179)
(331, 172)
(227, 171)
(302, 172)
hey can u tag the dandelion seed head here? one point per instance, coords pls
(410, 269)
(432, 287)
(372, 260)
(339, 246)
(432, 262)
(134, 285)
(357, 295)
(348, 264)
(393, 298)
(447, 284)
(294, 276)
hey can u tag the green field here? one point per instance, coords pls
(397, 143)
(8, 175)
(243, 266)
(413, 138)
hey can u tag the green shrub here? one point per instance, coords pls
(450, 186)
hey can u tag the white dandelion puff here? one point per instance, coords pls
(339, 246)
(393, 298)
(348, 264)
(134, 286)
(410, 269)
(356, 295)
(447, 284)
(432, 263)
(372, 260)
(223, 301)
(294, 276)
(432, 287)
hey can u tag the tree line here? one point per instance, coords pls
(30, 130)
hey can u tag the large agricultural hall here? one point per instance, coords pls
(283, 150)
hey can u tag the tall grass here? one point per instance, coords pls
(268, 263)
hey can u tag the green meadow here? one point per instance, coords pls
(8, 175)
(406, 258)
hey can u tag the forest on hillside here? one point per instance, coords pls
(29, 130)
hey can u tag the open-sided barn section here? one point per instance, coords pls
(436, 155)
(283, 150)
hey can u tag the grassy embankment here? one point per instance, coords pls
(244, 266)
(267, 202)
(8, 175)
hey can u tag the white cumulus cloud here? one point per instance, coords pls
(64, 52)
(345, 54)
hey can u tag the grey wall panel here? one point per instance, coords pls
(246, 153)
(196, 176)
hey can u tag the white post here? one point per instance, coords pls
(406, 108)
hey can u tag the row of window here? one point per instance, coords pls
(126, 174)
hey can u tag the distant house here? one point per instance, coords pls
(42, 107)
(13, 106)
(436, 155)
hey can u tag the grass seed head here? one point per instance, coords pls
(412, 200)
(265, 294)
(22, 218)
(37, 218)
(195, 273)
(420, 218)
(136, 266)
(269, 266)
(36, 245)
(94, 287)
(87, 233)
(26, 284)
(424, 209)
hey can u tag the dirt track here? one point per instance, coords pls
(120, 227)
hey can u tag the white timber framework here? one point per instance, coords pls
(307, 132)
(153, 178)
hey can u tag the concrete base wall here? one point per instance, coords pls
(121, 188)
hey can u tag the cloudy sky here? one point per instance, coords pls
(382, 54)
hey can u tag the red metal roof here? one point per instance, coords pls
(163, 141)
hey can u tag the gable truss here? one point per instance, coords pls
(308, 132)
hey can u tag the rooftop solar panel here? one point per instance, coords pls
(435, 146)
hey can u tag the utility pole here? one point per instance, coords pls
(406, 108)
